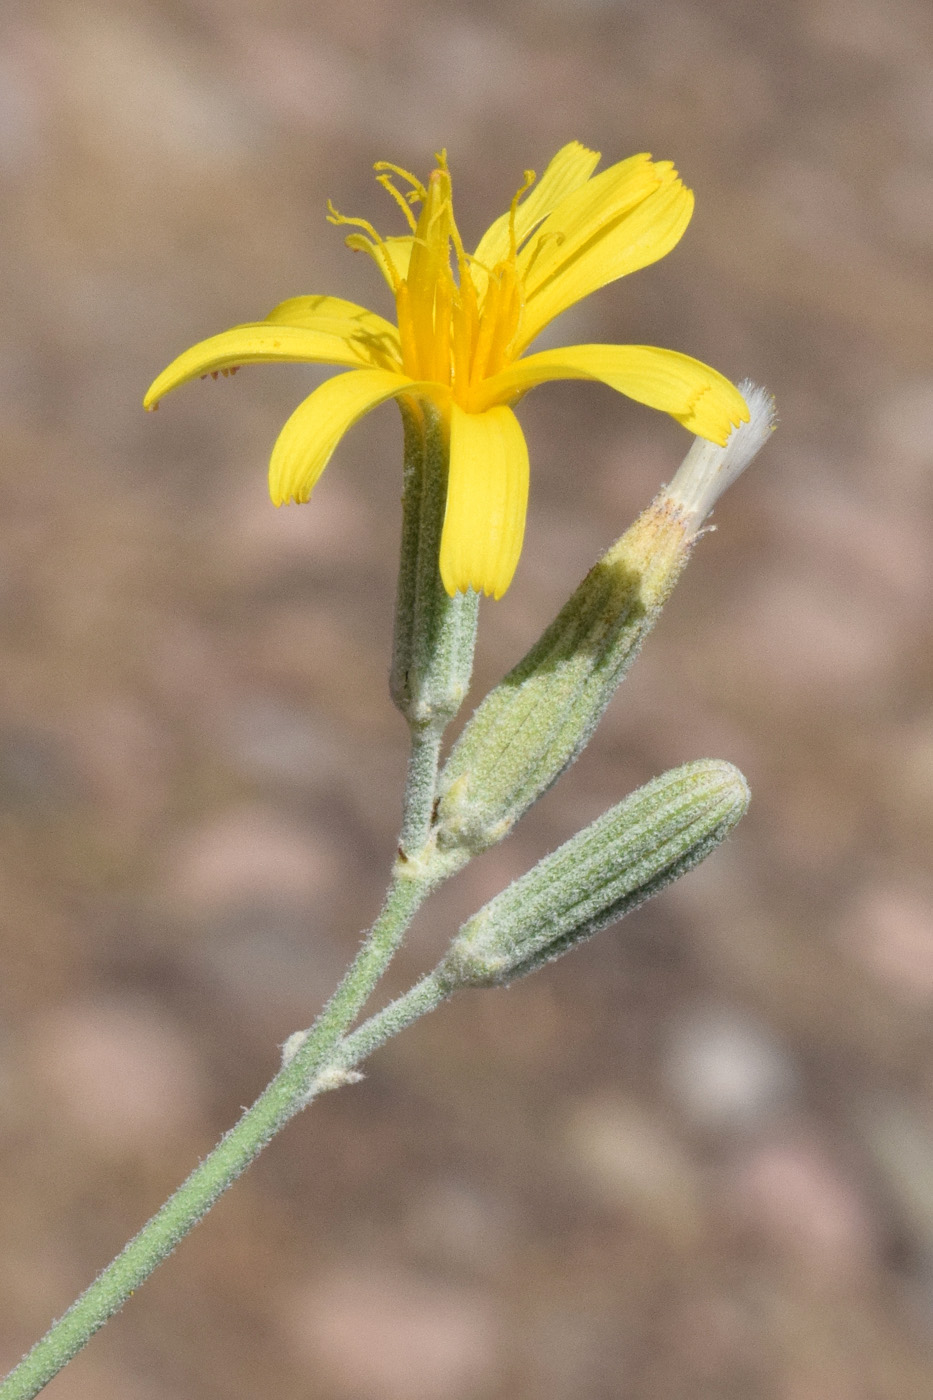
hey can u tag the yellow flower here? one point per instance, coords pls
(464, 321)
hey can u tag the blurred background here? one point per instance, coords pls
(696, 1158)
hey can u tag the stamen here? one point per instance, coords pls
(487, 329)
(529, 177)
(429, 264)
(386, 182)
(443, 297)
(379, 254)
(360, 244)
(509, 309)
(444, 210)
(406, 330)
(465, 261)
(334, 216)
(463, 326)
(460, 253)
(468, 295)
(465, 318)
(417, 190)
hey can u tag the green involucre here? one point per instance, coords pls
(542, 715)
(624, 858)
(435, 635)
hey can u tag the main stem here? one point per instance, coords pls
(289, 1092)
(421, 786)
(434, 641)
(285, 1096)
(435, 634)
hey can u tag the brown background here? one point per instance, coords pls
(696, 1158)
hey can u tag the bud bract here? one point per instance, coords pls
(626, 856)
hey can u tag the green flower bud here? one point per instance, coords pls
(533, 725)
(626, 856)
(538, 720)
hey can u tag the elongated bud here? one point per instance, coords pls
(432, 654)
(533, 725)
(634, 850)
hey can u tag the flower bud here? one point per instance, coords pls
(626, 856)
(533, 725)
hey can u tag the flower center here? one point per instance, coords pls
(457, 319)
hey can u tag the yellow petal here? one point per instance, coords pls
(599, 234)
(305, 444)
(590, 211)
(264, 341)
(334, 316)
(487, 496)
(571, 167)
(697, 396)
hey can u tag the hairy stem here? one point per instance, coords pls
(420, 787)
(423, 997)
(433, 655)
(286, 1095)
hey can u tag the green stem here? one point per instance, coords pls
(435, 635)
(433, 654)
(421, 787)
(285, 1096)
(423, 997)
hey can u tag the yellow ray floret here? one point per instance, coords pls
(487, 498)
(463, 323)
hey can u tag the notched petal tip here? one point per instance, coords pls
(715, 409)
(710, 468)
(309, 437)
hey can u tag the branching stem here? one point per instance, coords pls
(286, 1095)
